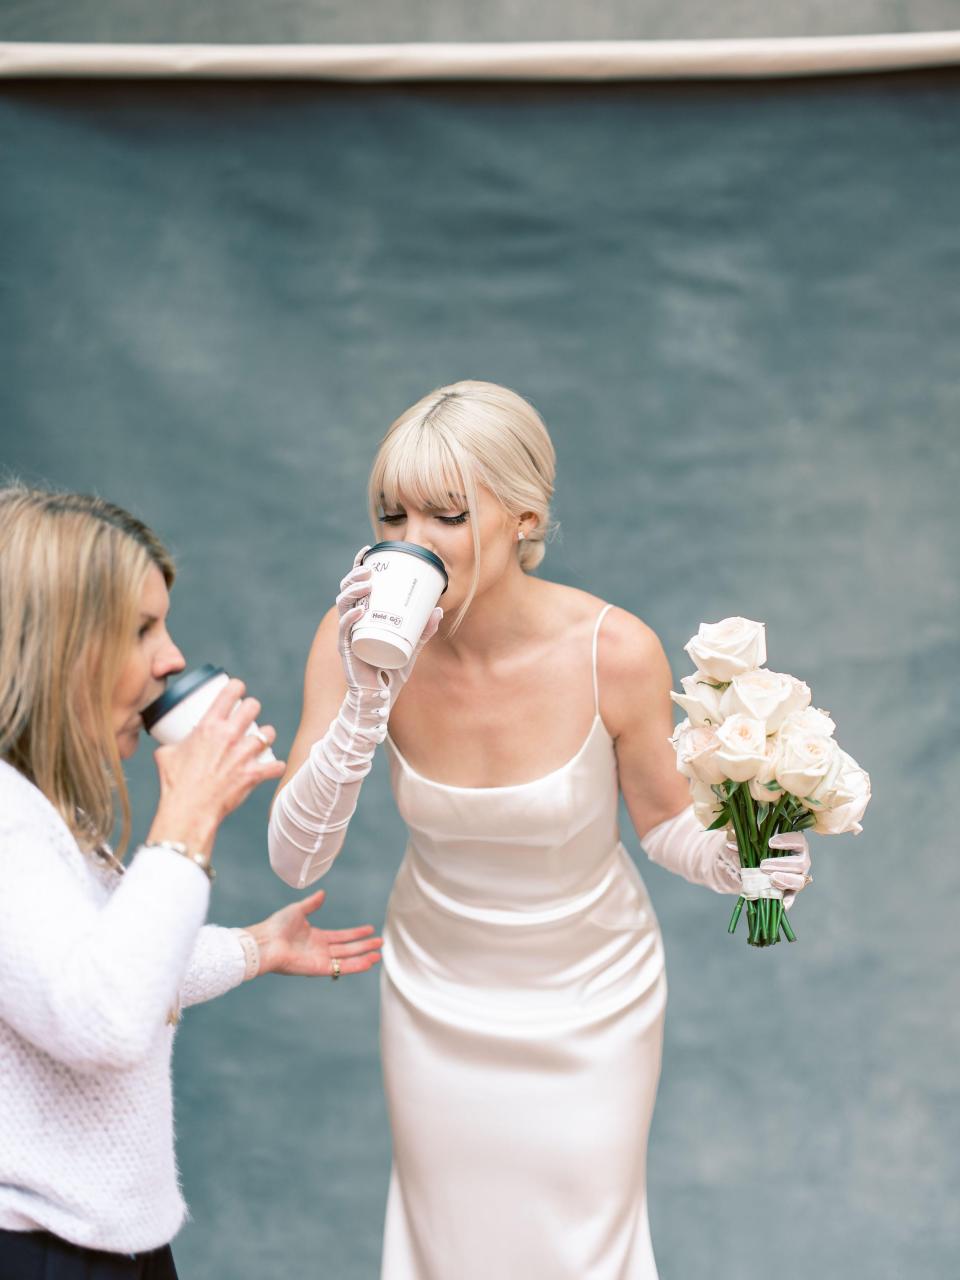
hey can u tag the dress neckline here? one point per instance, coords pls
(510, 786)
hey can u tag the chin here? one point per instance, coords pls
(127, 743)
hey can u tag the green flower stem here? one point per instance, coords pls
(735, 918)
(771, 826)
(787, 930)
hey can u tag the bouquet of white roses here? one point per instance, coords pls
(760, 761)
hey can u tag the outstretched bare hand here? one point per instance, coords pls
(290, 944)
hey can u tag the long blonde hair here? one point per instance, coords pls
(72, 568)
(461, 436)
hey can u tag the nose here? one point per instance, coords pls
(418, 530)
(168, 662)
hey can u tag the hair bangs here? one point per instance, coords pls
(421, 464)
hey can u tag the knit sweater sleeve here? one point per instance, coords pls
(91, 982)
(217, 964)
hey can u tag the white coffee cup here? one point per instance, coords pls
(183, 704)
(408, 580)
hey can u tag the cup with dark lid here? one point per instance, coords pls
(408, 580)
(183, 704)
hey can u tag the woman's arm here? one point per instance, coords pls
(217, 964)
(316, 799)
(92, 985)
(286, 942)
(347, 701)
(635, 681)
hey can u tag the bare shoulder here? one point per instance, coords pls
(568, 607)
(632, 669)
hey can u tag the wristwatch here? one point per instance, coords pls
(202, 860)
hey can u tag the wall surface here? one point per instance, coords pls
(335, 21)
(736, 307)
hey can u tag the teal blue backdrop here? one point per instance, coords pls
(736, 307)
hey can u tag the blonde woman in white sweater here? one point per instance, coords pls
(96, 957)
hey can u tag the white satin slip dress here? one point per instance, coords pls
(523, 994)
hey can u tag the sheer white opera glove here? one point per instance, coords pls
(311, 814)
(682, 845)
(710, 858)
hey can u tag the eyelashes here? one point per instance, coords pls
(400, 516)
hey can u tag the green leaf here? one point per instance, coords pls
(719, 823)
(763, 812)
(808, 820)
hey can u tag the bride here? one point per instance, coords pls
(523, 981)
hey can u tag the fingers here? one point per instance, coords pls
(793, 882)
(313, 902)
(352, 592)
(363, 947)
(347, 621)
(791, 862)
(267, 772)
(336, 936)
(789, 840)
(357, 964)
(245, 714)
(359, 573)
(222, 706)
(430, 630)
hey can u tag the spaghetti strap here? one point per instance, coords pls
(596, 636)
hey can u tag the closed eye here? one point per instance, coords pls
(398, 517)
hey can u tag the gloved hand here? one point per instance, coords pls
(788, 872)
(311, 814)
(354, 588)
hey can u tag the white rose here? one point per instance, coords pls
(725, 649)
(766, 773)
(849, 797)
(810, 720)
(805, 761)
(696, 748)
(742, 747)
(700, 699)
(765, 695)
(706, 806)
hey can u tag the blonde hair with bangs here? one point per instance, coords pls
(457, 438)
(72, 569)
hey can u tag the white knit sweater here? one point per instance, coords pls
(91, 965)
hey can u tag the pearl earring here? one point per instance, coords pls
(520, 535)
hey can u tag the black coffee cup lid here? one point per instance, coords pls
(411, 549)
(177, 689)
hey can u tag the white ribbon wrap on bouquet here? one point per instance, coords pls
(756, 884)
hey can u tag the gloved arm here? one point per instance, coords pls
(710, 858)
(312, 812)
(682, 845)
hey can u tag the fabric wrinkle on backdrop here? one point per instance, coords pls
(734, 305)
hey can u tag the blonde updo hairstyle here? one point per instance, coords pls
(457, 438)
(72, 569)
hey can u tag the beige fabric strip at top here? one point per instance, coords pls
(558, 60)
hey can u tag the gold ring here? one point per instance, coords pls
(335, 967)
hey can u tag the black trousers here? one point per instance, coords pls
(37, 1255)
